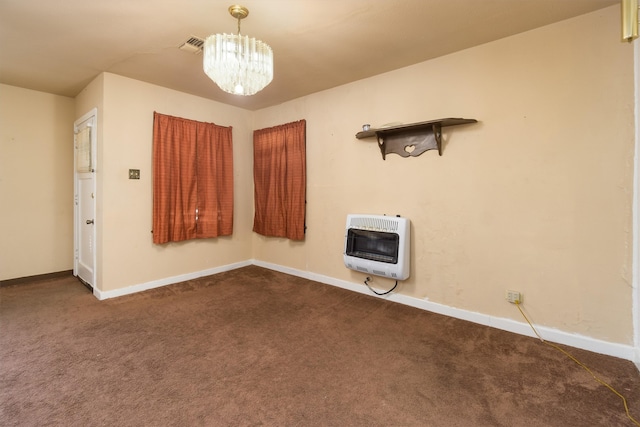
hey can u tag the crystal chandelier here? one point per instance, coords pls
(238, 64)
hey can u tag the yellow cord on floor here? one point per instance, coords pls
(566, 353)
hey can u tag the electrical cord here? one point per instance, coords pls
(582, 365)
(366, 282)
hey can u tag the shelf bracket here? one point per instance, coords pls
(411, 143)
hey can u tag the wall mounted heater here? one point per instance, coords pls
(378, 244)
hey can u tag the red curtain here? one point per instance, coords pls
(280, 180)
(192, 179)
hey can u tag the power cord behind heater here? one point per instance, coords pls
(368, 279)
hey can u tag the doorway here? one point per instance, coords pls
(85, 144)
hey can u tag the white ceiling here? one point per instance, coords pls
(59, 46)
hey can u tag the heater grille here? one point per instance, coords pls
(378, 224)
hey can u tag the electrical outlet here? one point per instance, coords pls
(513, 297)
(134, 173)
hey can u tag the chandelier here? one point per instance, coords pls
(238, 64)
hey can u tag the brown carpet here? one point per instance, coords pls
(254, 347)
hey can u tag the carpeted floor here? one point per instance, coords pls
(254, 347)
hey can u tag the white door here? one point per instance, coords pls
(85, 198)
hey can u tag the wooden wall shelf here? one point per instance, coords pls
(413, 139)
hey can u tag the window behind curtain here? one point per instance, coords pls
(192, 179)
(280, 180)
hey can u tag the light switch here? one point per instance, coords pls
(134, 173)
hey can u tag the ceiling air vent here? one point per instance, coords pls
(193, 45)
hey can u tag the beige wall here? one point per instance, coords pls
(537, 197)
(128, 255)
(36, 182)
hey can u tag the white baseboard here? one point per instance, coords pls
(167, 281)
(554, 335)
(549, 334)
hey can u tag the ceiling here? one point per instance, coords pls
(61, 46)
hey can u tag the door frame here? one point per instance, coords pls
(93, 114)
(635, 304)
